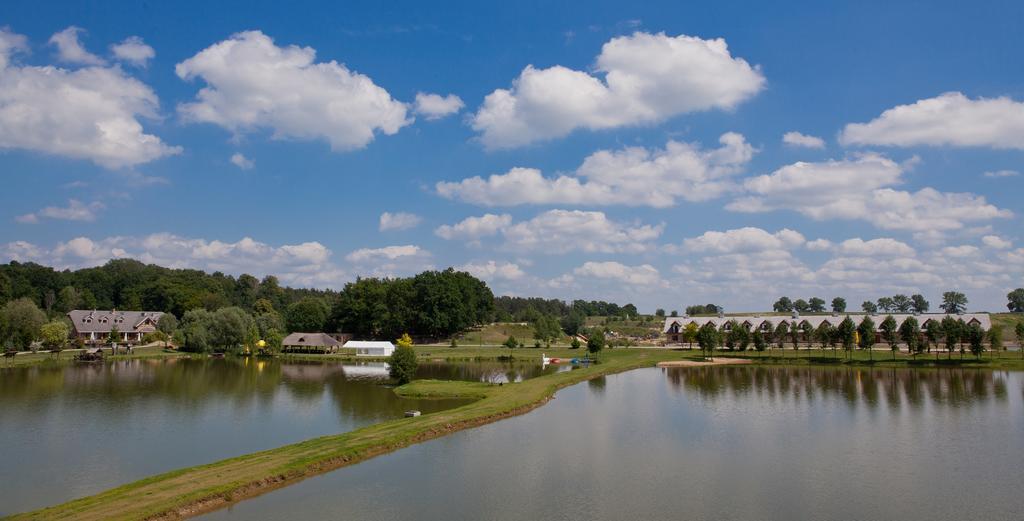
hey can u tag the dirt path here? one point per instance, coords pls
(702, 363)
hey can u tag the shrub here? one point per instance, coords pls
(402, 364)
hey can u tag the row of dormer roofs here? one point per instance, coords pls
(102, 321)
(764, 322)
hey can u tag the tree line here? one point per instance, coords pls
(949, 334)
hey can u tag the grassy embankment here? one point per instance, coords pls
(68, 356)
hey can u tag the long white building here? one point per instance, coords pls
(676, 326)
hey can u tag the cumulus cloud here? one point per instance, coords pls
(746, 239)
(435, 106)
(90, 113)
(995, 174)
(562, 231)
(642, 275)
(797, 139)
(474, 228)
(493, 271)
(859, 189)
(75, 211)
(996, 242)
(133, 51)
(238, 159)
(638, 79)
(304, 264)
(632, 176)
(70, 50)
(883, 247)
(398, 221)
(950, 119)
(390, 261)
(254, 84)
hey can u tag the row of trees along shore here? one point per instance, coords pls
(949, 335)
(952, 302)
(218, 312)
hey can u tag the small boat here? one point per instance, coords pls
(544, 360)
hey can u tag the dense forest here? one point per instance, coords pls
(218, 310)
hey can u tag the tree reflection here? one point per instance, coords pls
(890, 387)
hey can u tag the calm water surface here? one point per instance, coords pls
(66, 432)
(709, 443)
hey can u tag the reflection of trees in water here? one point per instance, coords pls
(872, 387)
(190, 385)
(482, 371)
(597, 385)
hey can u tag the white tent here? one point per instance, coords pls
(366, 348)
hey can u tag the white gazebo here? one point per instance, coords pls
(368, 348)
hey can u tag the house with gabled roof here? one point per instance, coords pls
(94, 326)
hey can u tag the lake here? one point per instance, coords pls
(706, 443)
(74, 430)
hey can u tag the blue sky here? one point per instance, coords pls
(623, 152)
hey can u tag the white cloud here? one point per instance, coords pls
(996, 242)
(134, 51)
(858, 189)
(632, 176)
(646, 78)
(561, 231)
(748, 239)
(797, 139)
(238, 159)
(11, 43)
(387, 252)
(74, 211)
(949, 119)
(642, 275)
(398, 221)
(884, 247)
(254, 84)
(90, 113)
(995, 174)
(965, 250)
(493, 271)
(474, 228)
(70, 50)
(819, 245)
(435, 106)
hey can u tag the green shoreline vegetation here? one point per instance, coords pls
(195, 490)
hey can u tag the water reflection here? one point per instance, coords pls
(84, 428)
(716, 443)
(896, 387)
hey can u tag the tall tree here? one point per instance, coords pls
(866, 333)
(889, 329)
(869, 307)
(910, 333)
(708, 338)
(839, 305)
(847, 333)
(783, 305)
(954, 302)
(886, 304)
(976, 337)
(801, 305)
(901, 303)
(918, 303)
(690, 333)
(951, 331)
(167, 325)
(1015, 300)
(308, 315)
(781, 332)
(816, 305)
(54, 336)
(20, 322)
